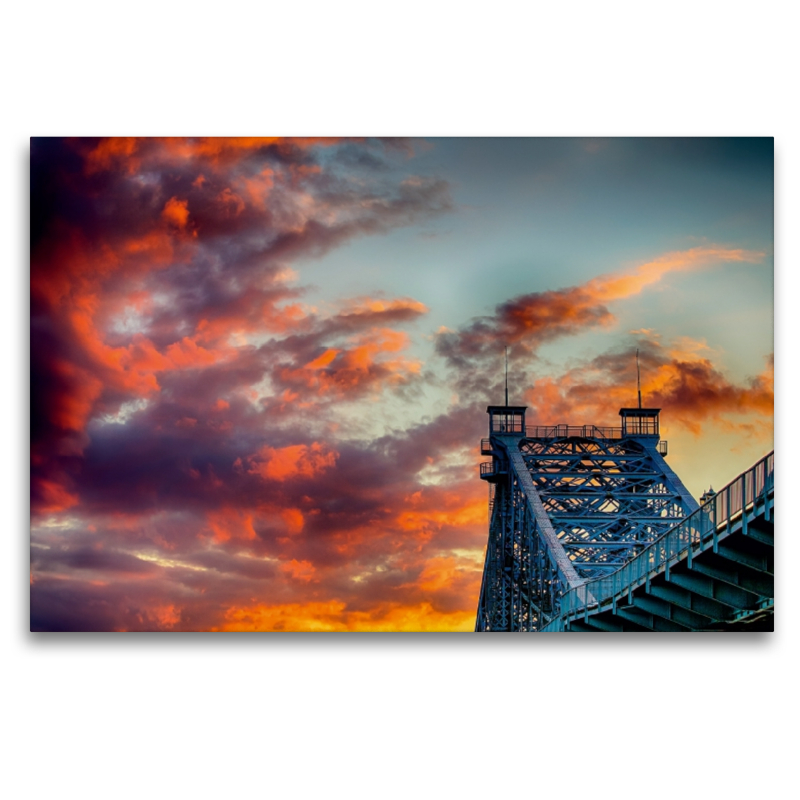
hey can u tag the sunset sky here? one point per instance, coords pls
(260, 368)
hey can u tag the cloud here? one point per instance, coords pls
(677, 377)
(290, 462)
(528, 321)
(176, 212)
(123, 302)
(335, 616)
(175, 369)
(199, 536)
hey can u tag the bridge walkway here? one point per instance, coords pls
(712, 571)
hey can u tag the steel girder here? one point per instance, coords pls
(713, 571)
(606, 499)
(565, 510)
(521, 581)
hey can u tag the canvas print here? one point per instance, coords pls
(428, 384)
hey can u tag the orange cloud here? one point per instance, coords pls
(293, 520)
(324, 360)
(333, 615)
(54, 497)
(134, 367)
(299, 570)
(677, 378)
(231, 523)
(256, 313)
(176, 212)
(71, 409)
(401, 307)
(444, 508)
(620, 285)
(124, 299)
(228, 148)
(438, 574)
(232, 204)
(529, 320)
(259, 188)
(112, 151)
(128, 153)
(285, 463)
(68, 282)
(168, 616)
(354, 369)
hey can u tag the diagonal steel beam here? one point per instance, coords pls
(549, 536)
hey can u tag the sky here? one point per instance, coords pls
(260, 367)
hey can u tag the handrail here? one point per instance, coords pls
(492, 468)
(699, 527)
(564, 431)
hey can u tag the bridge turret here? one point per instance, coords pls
(640, 421)
(503, 421)
(507, 420)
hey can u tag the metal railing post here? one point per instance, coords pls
(744, 504)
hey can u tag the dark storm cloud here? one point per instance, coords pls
(357, 515)
(88, 558)
(187, 239)
(168, 495)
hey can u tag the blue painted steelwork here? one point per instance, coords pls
(717, 565)
(526, 570)
(575, 511)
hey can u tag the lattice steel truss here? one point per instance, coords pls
(568, 505)
(521, 582)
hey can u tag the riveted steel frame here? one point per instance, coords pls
(712, 571)
(606, 499)
(565, 510)
(521, 579)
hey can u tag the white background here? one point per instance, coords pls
(395, 715)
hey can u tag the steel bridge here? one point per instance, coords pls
(590, 530)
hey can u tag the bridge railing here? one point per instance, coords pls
(696, 529)
(563, 431)
(493, 468)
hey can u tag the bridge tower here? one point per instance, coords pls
(568, 505)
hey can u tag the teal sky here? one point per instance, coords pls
(538, 214)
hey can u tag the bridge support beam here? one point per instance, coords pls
(701, 585)
(672, 613)
(651, 622)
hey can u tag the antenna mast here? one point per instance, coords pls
(638, 379)
(506, 354)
